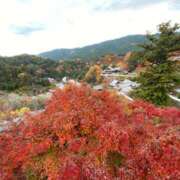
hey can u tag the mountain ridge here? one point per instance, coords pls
(118, 46)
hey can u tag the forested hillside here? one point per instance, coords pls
(31, 73)
(117, 46)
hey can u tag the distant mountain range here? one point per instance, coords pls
(118, 46)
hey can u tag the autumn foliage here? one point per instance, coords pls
(89, 135)
(94, 74)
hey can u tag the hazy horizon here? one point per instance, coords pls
(32, 27)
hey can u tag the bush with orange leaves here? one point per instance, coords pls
(84, 134)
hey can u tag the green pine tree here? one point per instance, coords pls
(159, 79)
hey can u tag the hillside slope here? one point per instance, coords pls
(31, 73)
(117, 46)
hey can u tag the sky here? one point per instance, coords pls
(34, 26)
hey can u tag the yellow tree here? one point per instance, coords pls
(94, 74)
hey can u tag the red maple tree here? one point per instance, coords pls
(90, 135)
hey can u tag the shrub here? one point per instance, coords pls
(14, 105)
(85, 134)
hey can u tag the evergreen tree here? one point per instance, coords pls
(159, 78)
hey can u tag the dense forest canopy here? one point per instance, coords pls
(27, 72)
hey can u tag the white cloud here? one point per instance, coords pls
(26, 30)
(73, 23)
